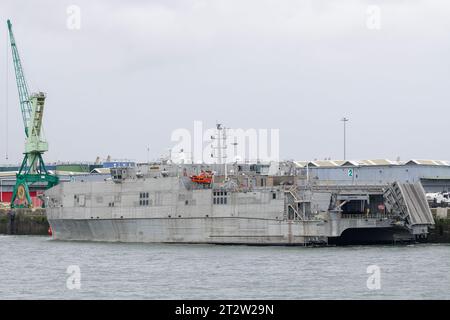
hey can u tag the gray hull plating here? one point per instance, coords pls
(187, 230)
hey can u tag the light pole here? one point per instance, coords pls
(344, 120)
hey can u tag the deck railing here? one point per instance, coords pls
(363, 216)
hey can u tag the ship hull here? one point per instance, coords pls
(248, 231)
(175, 210)
(184, 230)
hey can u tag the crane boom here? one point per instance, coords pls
(22, 87)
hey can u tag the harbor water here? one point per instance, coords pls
(35, 267)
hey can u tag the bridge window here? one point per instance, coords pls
(116, 174)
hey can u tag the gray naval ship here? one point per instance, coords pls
(255, 204)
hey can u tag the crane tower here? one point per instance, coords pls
(32, 169)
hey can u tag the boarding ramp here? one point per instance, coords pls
(408, 202)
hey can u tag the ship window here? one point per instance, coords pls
(220, 197)
(80, 200)
(143, 199)
(274, 195)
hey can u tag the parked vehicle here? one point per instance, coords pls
(438, 199)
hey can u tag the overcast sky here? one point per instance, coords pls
(137, 70)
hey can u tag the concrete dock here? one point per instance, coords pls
(441, 231)
(23, 222)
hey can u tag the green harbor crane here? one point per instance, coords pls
(32, 169)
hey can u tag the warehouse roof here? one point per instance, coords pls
(101, 170)
(320, 163)
(8, 173)
(368, 162)
(429, 162)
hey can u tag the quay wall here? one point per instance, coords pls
(441, 231)
(23, 222)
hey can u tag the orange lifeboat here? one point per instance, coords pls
(205, 177)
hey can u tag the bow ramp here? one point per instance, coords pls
(408, 202)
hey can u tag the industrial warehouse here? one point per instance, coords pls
(434, 175)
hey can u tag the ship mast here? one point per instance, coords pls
(221, 147)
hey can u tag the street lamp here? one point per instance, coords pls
(344, 120)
